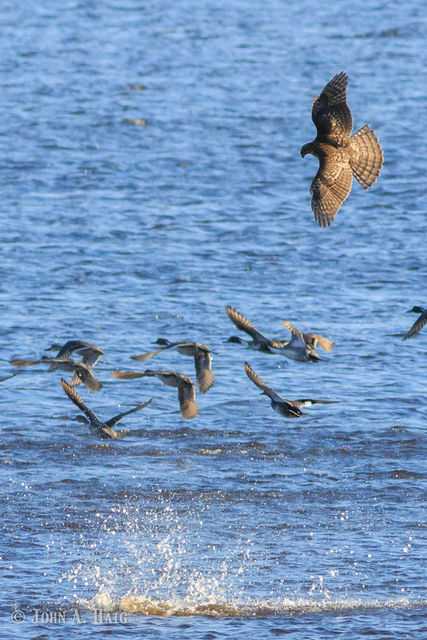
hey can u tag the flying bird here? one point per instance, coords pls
(200, 353)
(259, 342)
(341, 155)
(89, 352)
(81, 369)
(186, 391)
(286, 408)
(81, 372)
(301, 347)
(418, 324)
(102, 429)
(312, 339)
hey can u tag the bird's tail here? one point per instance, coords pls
(368, 157)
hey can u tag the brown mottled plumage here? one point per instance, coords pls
(341, 155)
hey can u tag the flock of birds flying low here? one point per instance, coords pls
(300, 347)
(341, 156)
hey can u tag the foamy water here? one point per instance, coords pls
(286, 607)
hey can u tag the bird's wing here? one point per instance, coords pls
(187, 401)
(168, 377)
(330, 187)
(65, 364)
(127, 375)
(67, 349)
(72, 346)
(24, 363)
(74, 397)
(293, 407)
(75, 380)
(204, 374)
(290, 327)
(417, 326)
(245, 325)
(90, 356)
(259, 382)
(331, 114)
(298, 342)
(297, 339)
(87, 377)
(113, 421)
(151, 354)
(278, 344)
(312, 339)
(89, 352)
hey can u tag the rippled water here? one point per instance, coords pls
(151, 175)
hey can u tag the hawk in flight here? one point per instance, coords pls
(341, 155)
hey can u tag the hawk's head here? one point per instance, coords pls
(306, 149)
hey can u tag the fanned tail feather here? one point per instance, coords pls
(369, 157)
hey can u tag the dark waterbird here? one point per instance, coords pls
(301, 347)
(102, 429)
(286, 408)
(418, 324)
(259, 342)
